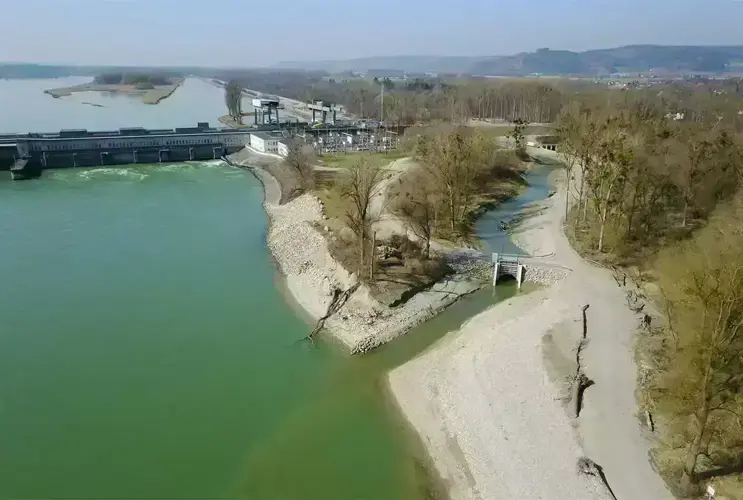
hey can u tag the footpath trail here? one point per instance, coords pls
(387, 223)
(483, 402)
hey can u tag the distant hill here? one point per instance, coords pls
(32, 70)
(412, 64)
(627, 59)
(630, 58)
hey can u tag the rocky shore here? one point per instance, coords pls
(315, 279)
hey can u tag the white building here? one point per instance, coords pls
(283, 149)
(264, 143)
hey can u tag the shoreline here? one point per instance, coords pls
(313, 277)
(295, 292)
(488, 400)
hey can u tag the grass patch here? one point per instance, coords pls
(348, 160)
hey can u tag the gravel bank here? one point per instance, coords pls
(312, 275)
(487, 410)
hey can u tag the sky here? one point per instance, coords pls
(233, 33)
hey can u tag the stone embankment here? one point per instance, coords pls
(477, 267)
(314, 278)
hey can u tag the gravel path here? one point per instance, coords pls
(484, 406)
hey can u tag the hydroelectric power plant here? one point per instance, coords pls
(27, 155)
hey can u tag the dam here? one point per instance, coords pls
(27, 155)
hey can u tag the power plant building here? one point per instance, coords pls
(265, 143)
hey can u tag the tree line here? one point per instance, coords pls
(419, 100)
(455, 101)
(141, 80)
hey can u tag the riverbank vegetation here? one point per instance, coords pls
(461, 172)
(383, 211)
(660, 196)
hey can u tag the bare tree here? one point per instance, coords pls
(568, 148)
(419, 210)
(606, 173)
(300, 158)
(454, 161)
(359, 185)
(233, 93)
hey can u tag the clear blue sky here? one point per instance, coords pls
(255, 33)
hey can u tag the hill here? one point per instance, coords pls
(630, 58)
(412, 64)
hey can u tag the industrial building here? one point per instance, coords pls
(328, 112)
(264, 110)
(265, 142)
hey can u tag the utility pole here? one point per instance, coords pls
(381, 105)
(381, 113)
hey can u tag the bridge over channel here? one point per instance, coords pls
(521, 267)
(508, 265)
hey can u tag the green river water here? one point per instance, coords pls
(147, 351)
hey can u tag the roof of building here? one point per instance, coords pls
(266, 136)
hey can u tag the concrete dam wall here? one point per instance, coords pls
(26, 156)
(129, 155)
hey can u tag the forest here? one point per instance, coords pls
(658, 197)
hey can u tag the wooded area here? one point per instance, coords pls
(654, 175)
(662, 195)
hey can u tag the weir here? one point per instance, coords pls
(508, 265)
(27, 155)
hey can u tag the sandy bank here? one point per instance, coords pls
(486, 400)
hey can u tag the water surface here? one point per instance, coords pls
(26, 108)
(145, 350)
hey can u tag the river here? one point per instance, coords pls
(146, 350)
(25, 107)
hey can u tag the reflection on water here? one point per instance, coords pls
(488, 227)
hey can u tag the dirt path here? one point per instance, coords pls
(386, 223)
(482, 402)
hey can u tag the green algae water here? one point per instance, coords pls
(147, 353)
